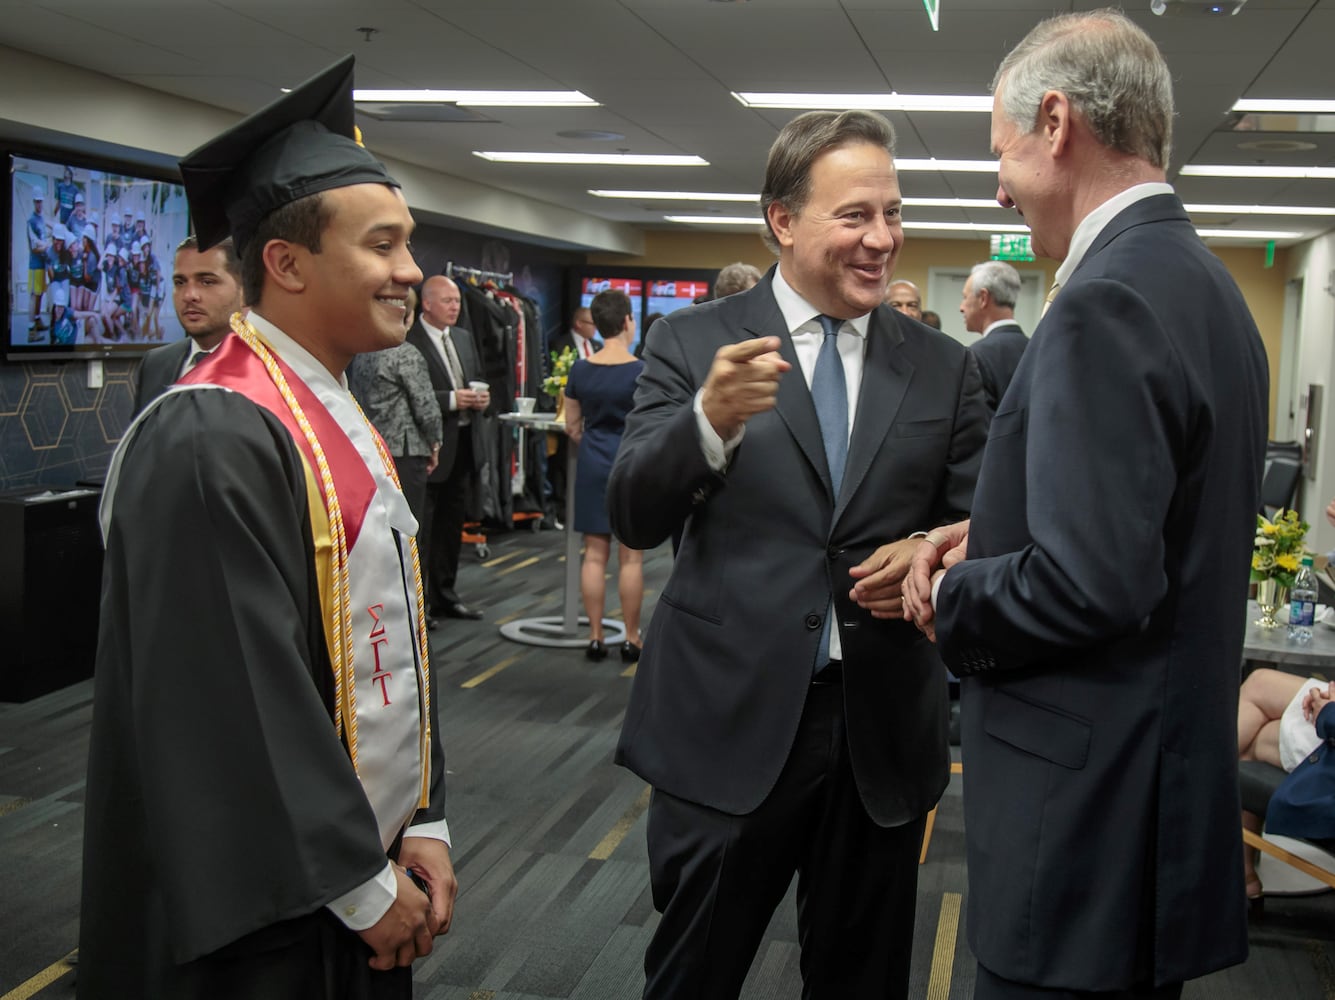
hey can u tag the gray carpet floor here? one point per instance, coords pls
(549, 834)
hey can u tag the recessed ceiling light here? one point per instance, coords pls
(949, 166)
(1284, 106)
(591, 135)
(866, 102)
(1246, 234)
(1225, 170)
(967, 227)
(951, 203)
(483, 98)
(586, 159)
(675, 195)
(1259, 210)
(716, 220)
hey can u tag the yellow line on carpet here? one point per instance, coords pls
(956, 767)
(8, 807)
(943, 954)
(519, 565)
(43, 979)
(487, 674)
(618, 833)
(630, 671)
(505, 558)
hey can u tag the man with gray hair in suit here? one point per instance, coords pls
(988, 308)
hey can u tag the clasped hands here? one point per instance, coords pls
(896, 580)
(414, 919)
(1316, 699)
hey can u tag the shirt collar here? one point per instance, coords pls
(296, 357)
(1000, 322)
(798, 312)
(1095, 222)
(436, 332)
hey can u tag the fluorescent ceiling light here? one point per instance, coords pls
(675, 195)
(866, 102)
(951, 203)
(587, 159)
(1286, 107)
(1259, 210)
(950, 166)
(1246, 234)
(1221, 170)
(716, 220)
(946, 227)
(482, 98)
(967, 227)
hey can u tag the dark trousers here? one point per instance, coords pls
(446, 505)
(412, 479)
(989, 986)
(717, 879)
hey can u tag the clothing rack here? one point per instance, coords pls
(500, 277)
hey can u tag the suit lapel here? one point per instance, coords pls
(440, 377)
(886, 374)
(793, 404)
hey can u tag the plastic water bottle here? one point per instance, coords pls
(1302, 606)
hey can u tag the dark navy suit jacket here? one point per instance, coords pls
(1097, 622)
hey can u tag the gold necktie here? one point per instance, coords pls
(1047, 302)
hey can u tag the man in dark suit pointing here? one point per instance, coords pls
(796, 434)
(1096, 618)
(206, 290)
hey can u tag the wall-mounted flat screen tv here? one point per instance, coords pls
(90, 259)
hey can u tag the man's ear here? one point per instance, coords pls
(781, 221)
(285, 262)
(1055, 120)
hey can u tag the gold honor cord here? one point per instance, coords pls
(345, 719)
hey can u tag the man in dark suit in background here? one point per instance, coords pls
(1097, 619)
(206, 290)
(799, 433)
(988, 308)
(452, 360)
(581, 337)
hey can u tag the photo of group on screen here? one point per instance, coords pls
(95, 245)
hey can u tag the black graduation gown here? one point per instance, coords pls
(223, 812)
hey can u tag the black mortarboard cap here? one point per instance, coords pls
(301, 144)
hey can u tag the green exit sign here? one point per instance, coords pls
(1007, 246)
(933, 12)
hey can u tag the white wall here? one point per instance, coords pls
(42, 94)
(1315, 263)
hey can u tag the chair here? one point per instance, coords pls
(1257, 781)
(1283, 473)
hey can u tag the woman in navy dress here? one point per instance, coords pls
(599, 393)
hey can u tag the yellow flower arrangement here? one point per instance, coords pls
(1279, 547)
(561, 364)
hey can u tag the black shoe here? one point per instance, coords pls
(458, 609)
(630, 653)
(432, 624)
(596, 650)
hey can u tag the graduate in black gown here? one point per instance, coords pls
(265, 803)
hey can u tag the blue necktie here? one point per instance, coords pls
(829, 391)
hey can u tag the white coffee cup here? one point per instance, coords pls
(478, 386)
(525, 404)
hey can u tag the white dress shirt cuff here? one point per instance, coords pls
(436, 830)
(717, 451)
(454, 402)
(936, 586)
(365, 905)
